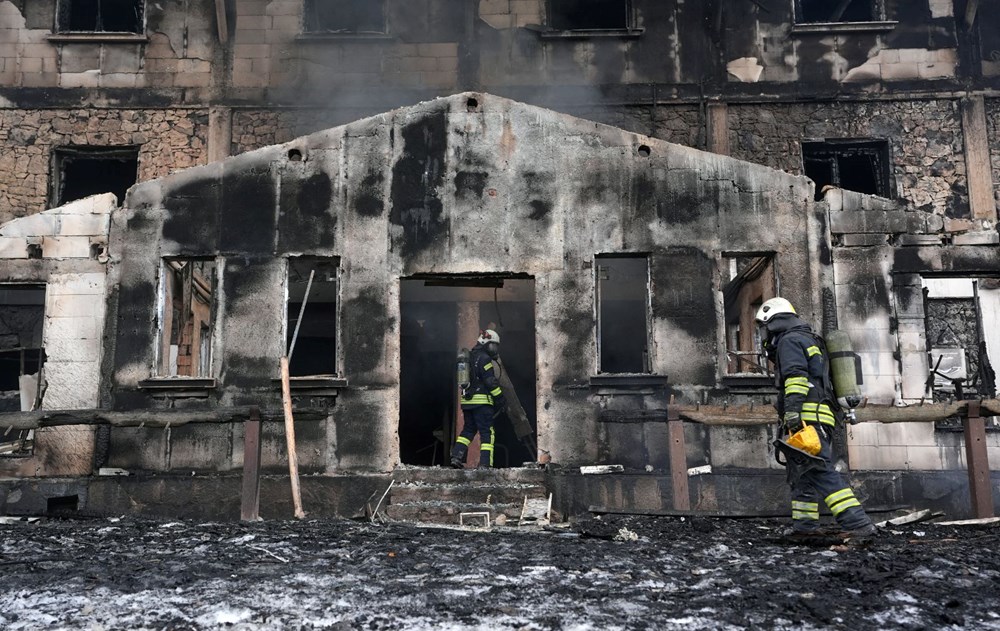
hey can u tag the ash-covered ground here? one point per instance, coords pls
(611, 573)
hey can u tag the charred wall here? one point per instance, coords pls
(393, 196)
(925, 139)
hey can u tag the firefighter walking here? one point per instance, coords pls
(807, 407)
(481, 399)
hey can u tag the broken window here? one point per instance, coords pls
(748, 280)
(100, 16)
(83, 171)
(623, 313)
(22, 312)
(344, 16)
(856, 165)
(962, 344)
(187, 314)
(825, 11)
(312, 284)
(567, 15)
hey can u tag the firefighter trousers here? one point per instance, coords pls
(825, 484)
(478, 418)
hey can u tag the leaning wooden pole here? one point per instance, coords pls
(293, 459)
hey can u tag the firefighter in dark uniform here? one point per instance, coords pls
(480, 400)
(805, 396)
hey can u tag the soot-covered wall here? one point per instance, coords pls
(468, 184)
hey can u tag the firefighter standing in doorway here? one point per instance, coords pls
(806, 399)
(480, 399)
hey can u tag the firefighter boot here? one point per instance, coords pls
(458, 454)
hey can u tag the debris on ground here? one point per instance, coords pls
(674, 573)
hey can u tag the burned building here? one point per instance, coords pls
(845, 158)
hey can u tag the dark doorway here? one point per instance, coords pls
(441, 315)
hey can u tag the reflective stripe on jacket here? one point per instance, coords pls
(484, 387)
(802, 376)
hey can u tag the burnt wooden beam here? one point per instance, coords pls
(250, 504)
(222, 21)
(678, 460)
(143, 418)
(978, 462)
(970, 12)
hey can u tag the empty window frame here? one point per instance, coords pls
(962, 345)
(187, 317)
(313, 282)
(856, 165)
(622, 313)
(344, 16)
(572, 15)
(747, 281)
(79, 172)
(833, 11)
(22, 312)
(100, 16)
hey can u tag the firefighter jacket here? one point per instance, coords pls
(802, 376)
(484, 387)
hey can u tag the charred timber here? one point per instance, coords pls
(764, 415)
(143, 418)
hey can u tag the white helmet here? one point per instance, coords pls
(487, 336)
(773, 307)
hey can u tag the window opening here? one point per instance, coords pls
(962, 350)
(22, 313)
(823, 11)
(856, 165)
(344, 16)
(84, 171)
(748, 280)
(623, 313)
(187, 317)
(567, 15)
(100, 16)
(316, 344)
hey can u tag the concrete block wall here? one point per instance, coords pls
(271, 50)
(176, 50)
(168, 140)
(911, 447)
(72, 333)
(903, 64)
(925, 139)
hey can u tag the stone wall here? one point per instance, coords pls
(925, 139)
(168, 140)
(993, 131)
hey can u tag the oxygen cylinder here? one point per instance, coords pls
(845, 369)
(462, 368)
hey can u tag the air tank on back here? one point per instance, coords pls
(845, 369)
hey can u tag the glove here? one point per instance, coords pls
(793, 422)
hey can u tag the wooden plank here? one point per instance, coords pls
(678, 460)
(970, 12)
(293, 458)
(143, 418)
(977, 460)
(977, 159)
(250, 505)
(222, 21)
(718, 128)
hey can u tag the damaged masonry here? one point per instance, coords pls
(619, 268)
(244, 244)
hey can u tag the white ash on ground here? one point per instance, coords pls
(668, 573)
